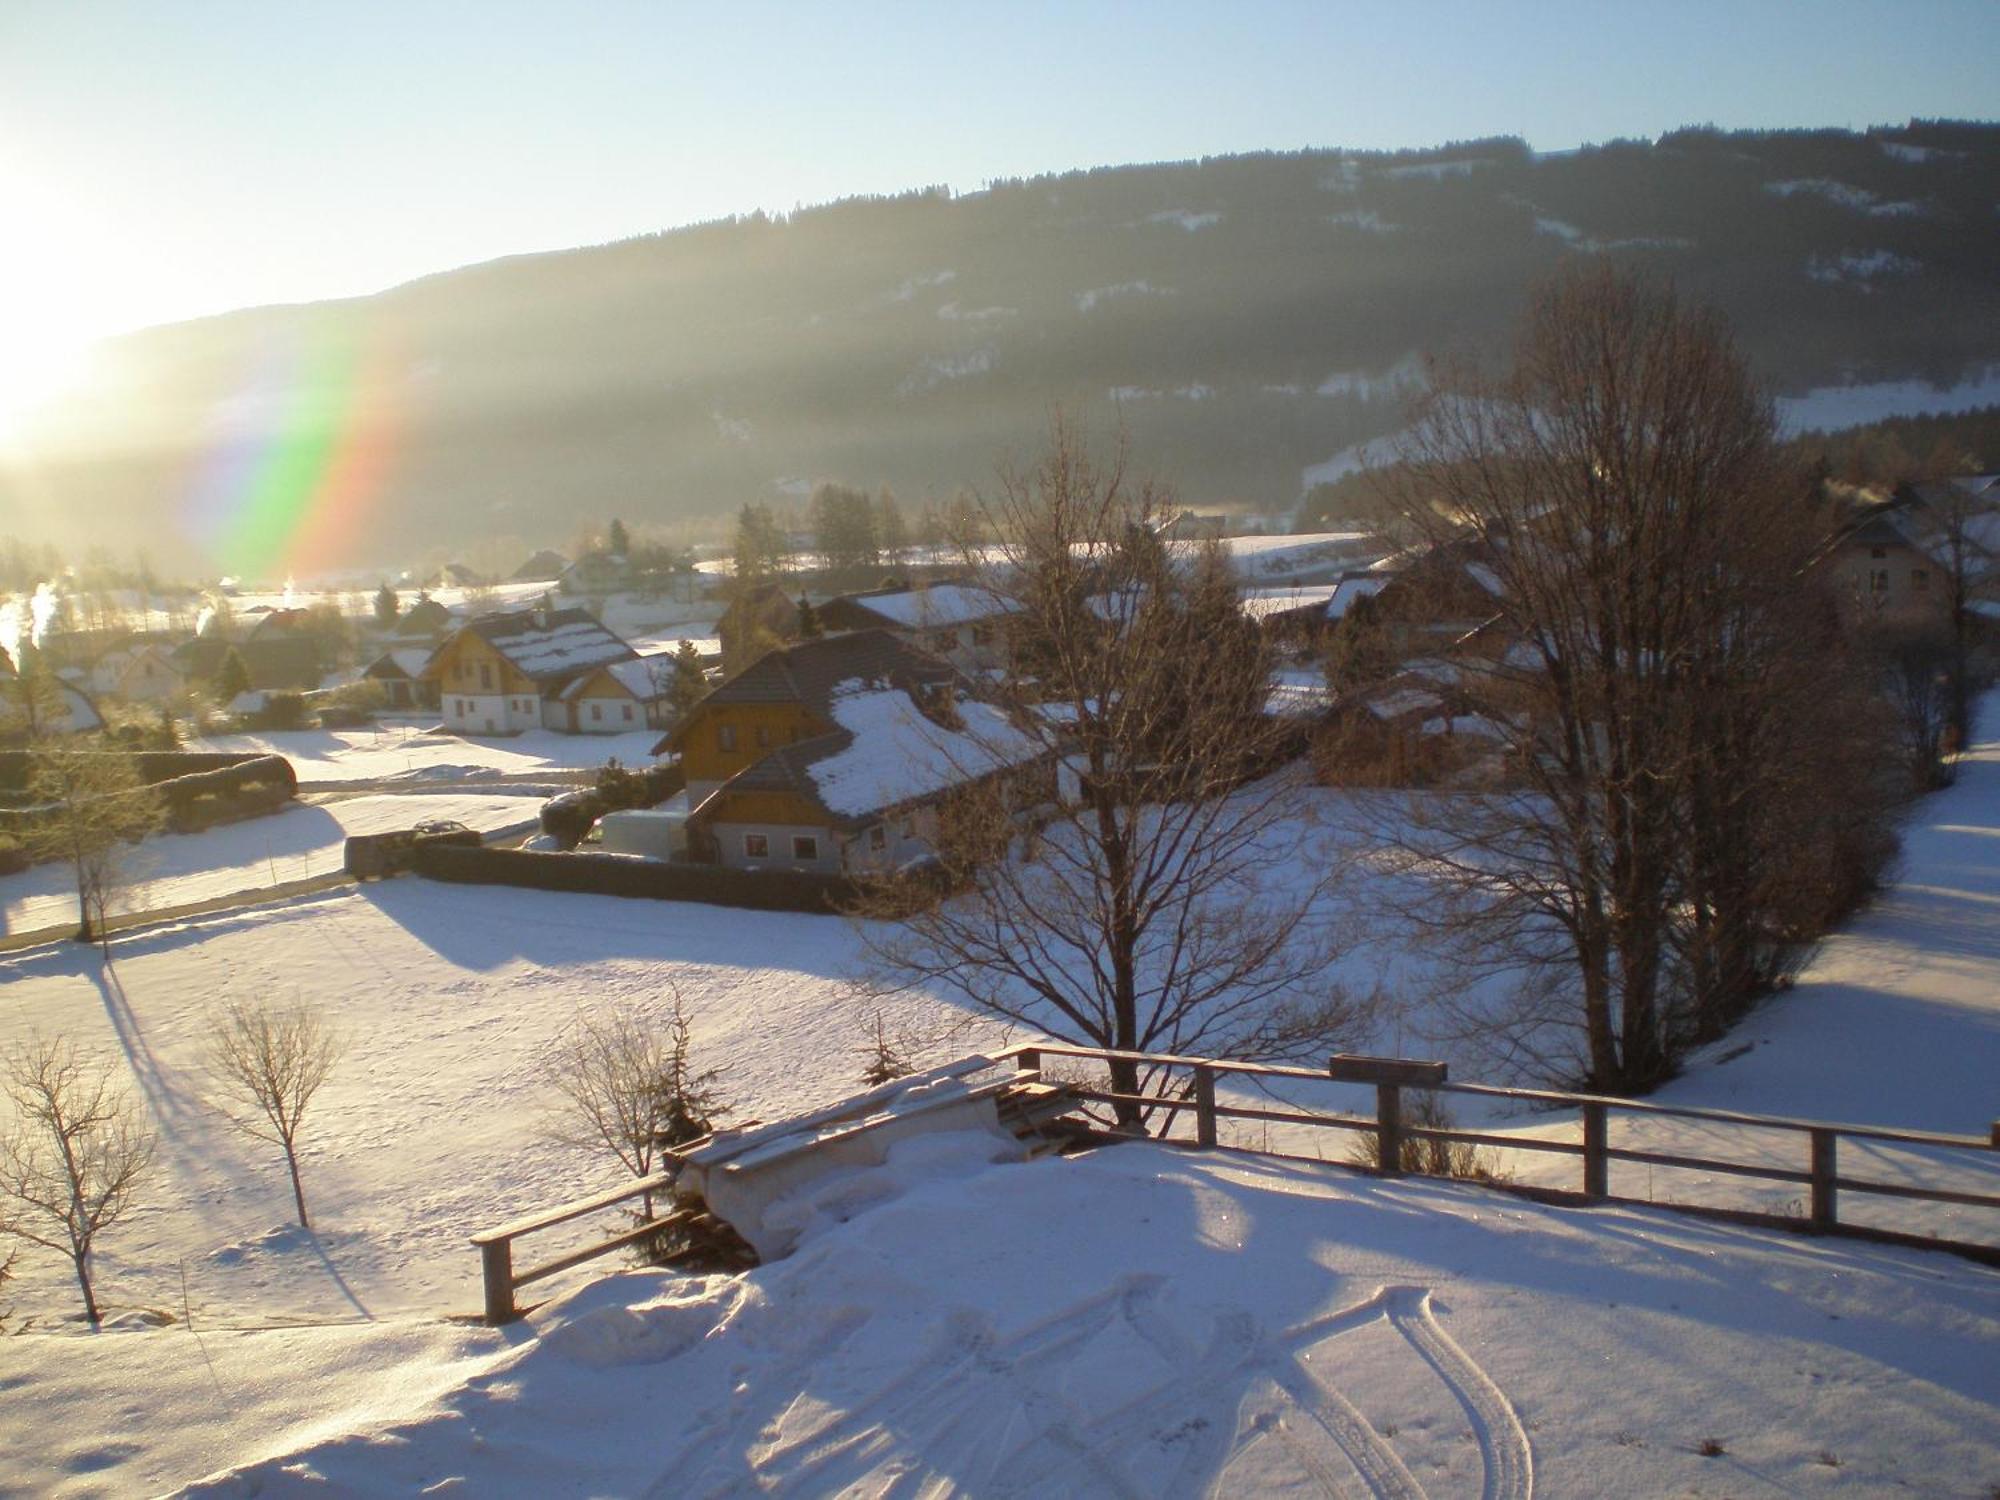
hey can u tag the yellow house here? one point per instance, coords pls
(502, 673)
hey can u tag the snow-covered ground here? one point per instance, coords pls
(298, 843)
(1136, 1322)
(405, 752)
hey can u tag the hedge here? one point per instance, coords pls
(197, 790)
(153, 766)
(610, 875)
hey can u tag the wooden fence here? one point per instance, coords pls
(496, 1246)
(1186, 1085)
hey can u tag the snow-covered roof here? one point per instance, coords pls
(542, 645)
(643, 678)
(1349, 590)
(1395, 705)
(898, 755)
(935, 607)
(1260, 604)
(1476, 725)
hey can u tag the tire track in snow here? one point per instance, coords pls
(978, 1415)
(1503, 1441)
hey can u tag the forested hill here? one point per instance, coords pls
(1251, 316)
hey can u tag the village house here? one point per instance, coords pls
(139, 673)
(400, 673)
(834, 755)
(69, 711)
(1896, 556)
(964, 624)
(538, 668)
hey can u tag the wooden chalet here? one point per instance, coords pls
(533, 669)
(833, 754)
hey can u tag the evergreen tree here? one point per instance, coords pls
(386, 607)
(809, 626)
(688, 684)
(232, 677)
(620, 538)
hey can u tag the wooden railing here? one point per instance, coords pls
(496, 1246)
(1819, 1172)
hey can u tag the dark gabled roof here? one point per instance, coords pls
(550, 646)
(807, 672)
(787, 769)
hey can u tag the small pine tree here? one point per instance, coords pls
(688, 683)
(386, 607)
(689, 1104)
(809, 626)
(619, 539)
(232, 677)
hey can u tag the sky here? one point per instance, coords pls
(161, 161)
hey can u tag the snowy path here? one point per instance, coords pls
(302, 842)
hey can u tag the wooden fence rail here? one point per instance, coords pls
(496, 1246)
(1819, 1170)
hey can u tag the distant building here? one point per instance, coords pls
(963, 623)
(546, 566)
(142, 673)
(833, 755)
(537, 668)
(400, 673)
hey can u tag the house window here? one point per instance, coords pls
(725, 737)
(910, 827)
(763, 737)
(597, 713)
(486, 674)
(804, 846)
(756, 846)
(944, 640)
(627, 713)
(878, 837)
(1877, 553)
(1878, 580)
(982, 635)
(1920, 579)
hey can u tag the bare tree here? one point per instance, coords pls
(1650, 560)
(74, 1157)
(1160, 901)
(629, 1086)
(270, 1062)
(88, 804)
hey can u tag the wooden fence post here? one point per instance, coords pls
(1596, 1145)
(496, 1267)
(1825, 1194)
(1389, 1129)
(1996, 1135)
(1204, 1105)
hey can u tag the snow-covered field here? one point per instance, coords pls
(1138, 1322)
(299, 843)
(403, 752)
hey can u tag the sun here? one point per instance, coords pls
(36, 366)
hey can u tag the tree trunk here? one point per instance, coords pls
(298, 1192)
(82, 1260)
